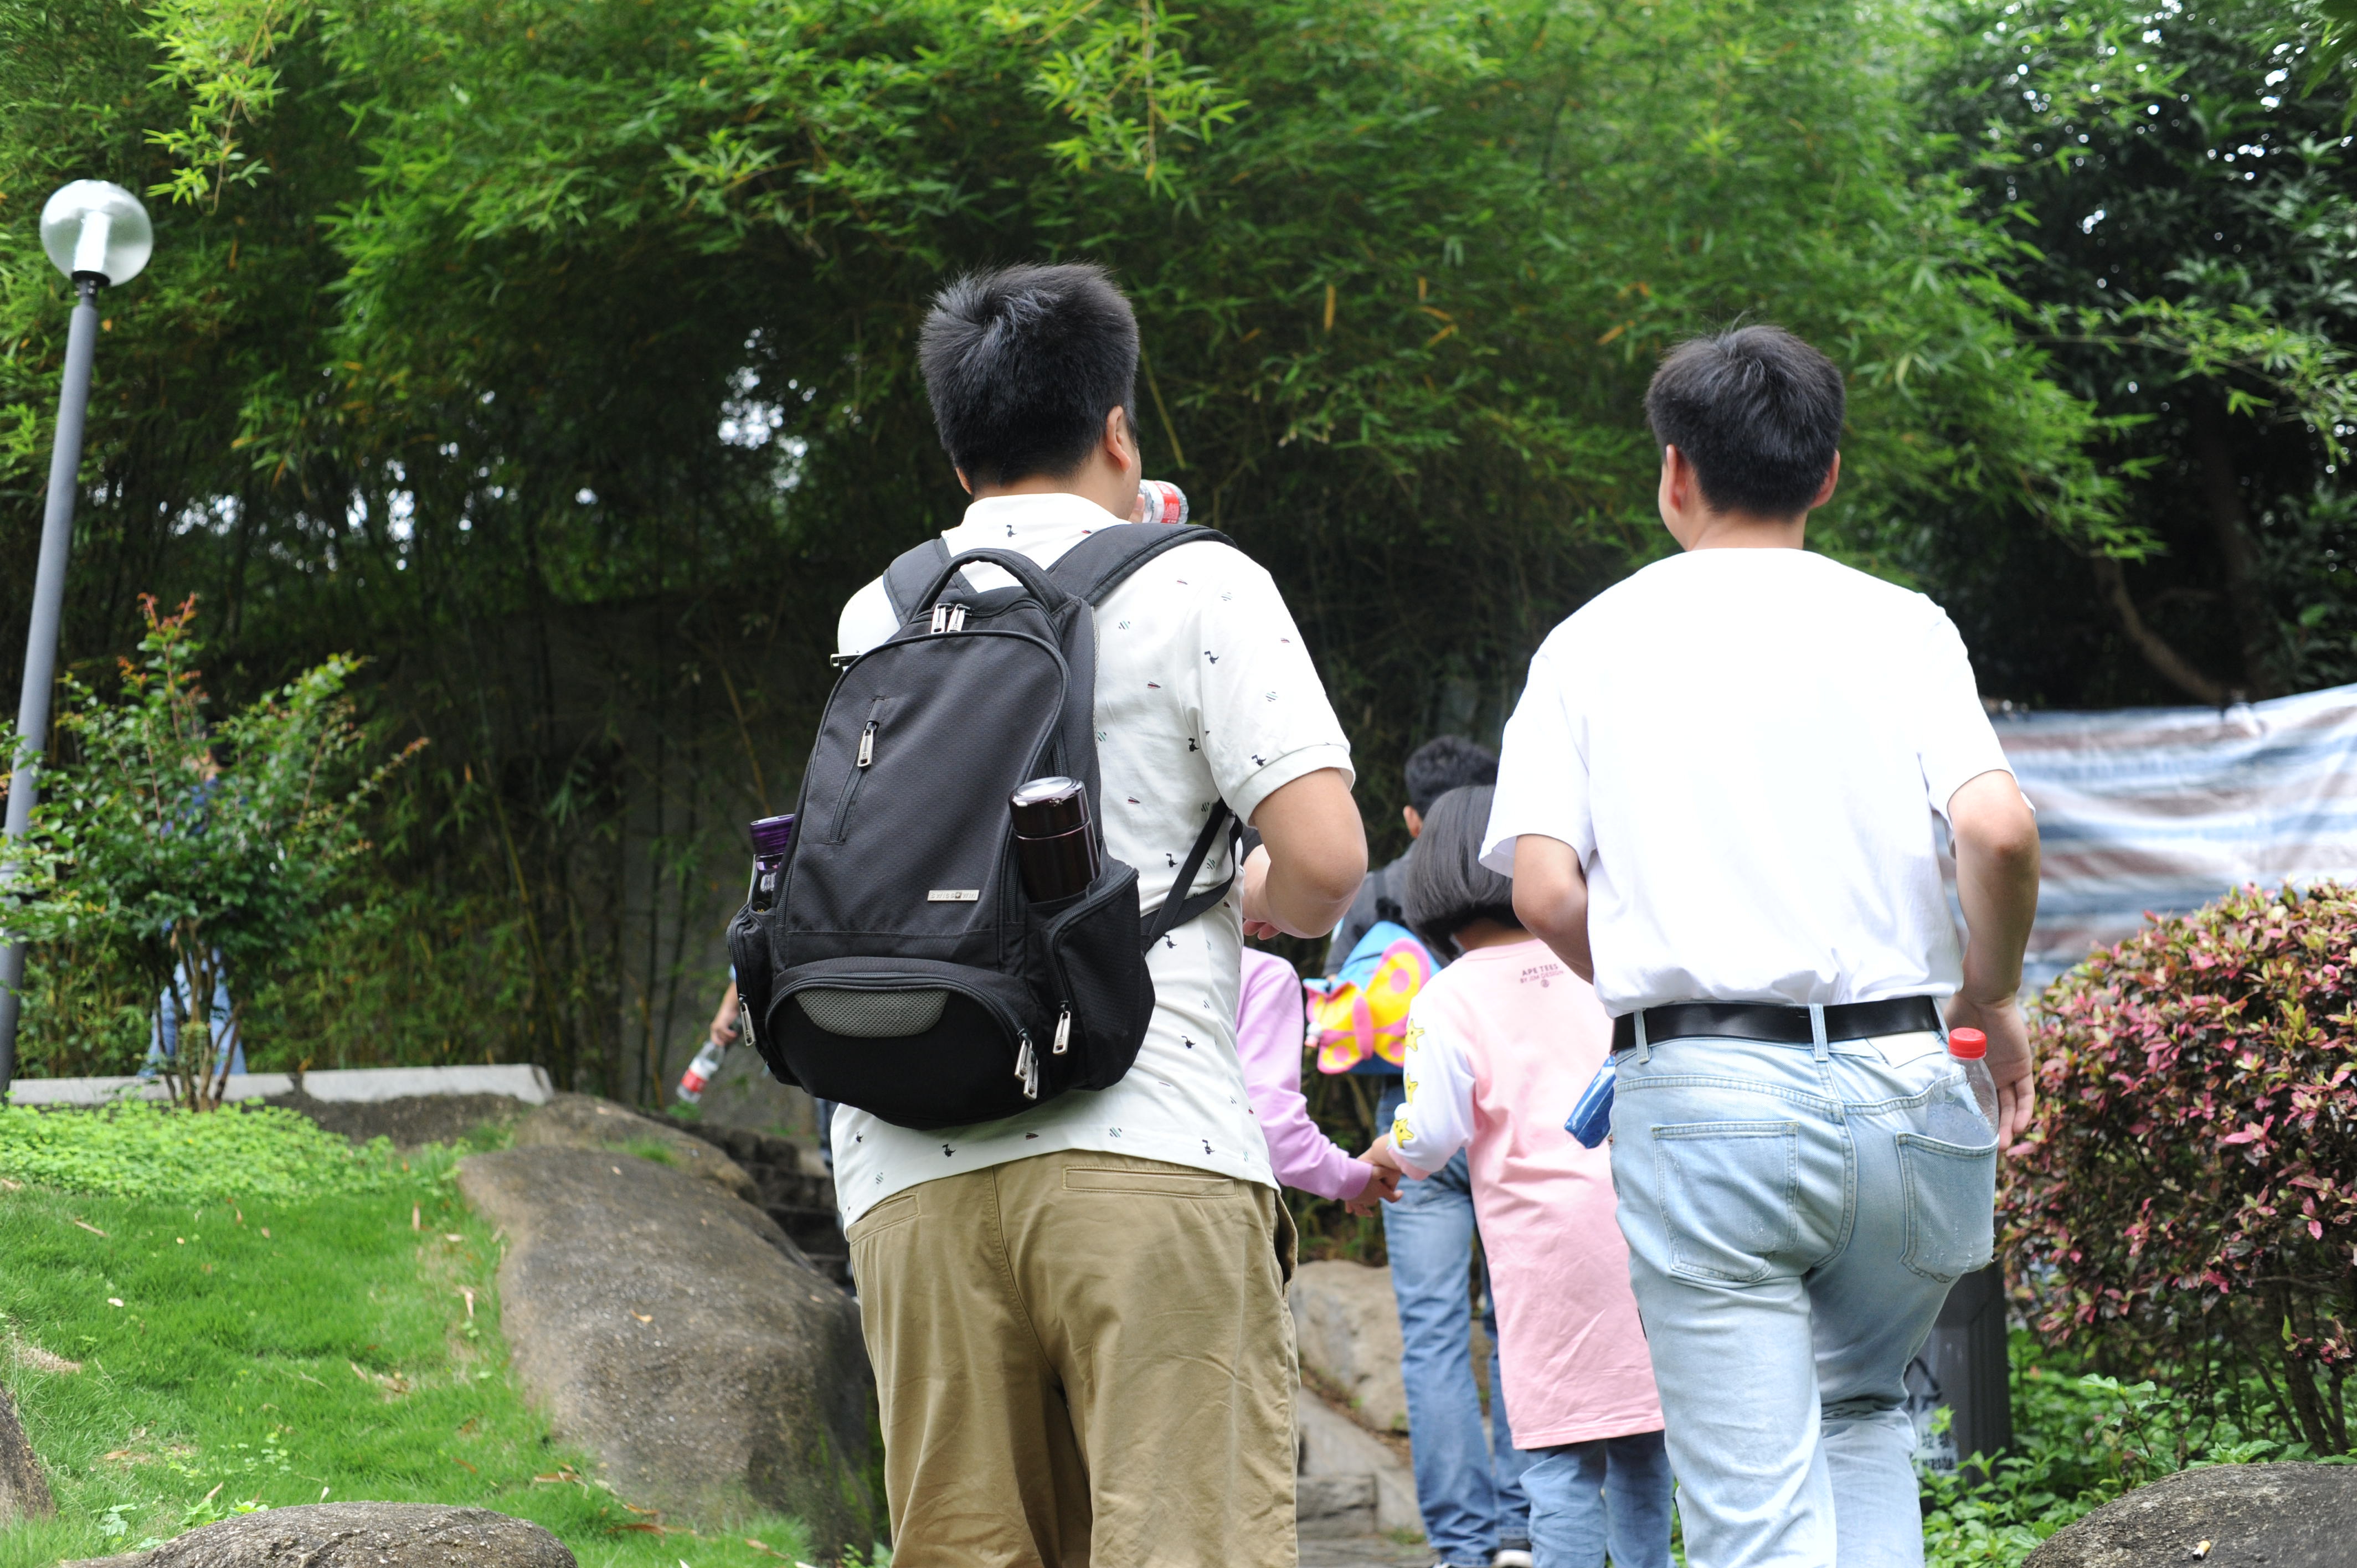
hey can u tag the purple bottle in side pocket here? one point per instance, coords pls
(1591, 1119)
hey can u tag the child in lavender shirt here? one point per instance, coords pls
(1271, 1022)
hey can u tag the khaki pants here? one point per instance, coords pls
(1083, 1357)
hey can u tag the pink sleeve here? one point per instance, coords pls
(1269, 1028)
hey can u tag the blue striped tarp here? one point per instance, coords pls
(2162, 810)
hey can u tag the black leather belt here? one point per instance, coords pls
(1775, 1024)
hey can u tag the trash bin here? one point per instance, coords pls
(1964, 1368)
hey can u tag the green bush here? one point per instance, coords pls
(2188, 1196)
(144, 1150)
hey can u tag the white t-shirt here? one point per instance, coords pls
(1751, 751)
(1205, 693)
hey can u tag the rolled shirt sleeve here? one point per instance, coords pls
(1956, 743)
(1543, 783)
(1261, 709)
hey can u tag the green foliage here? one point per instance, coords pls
(2185, 1197)
(2180, 181)
(561, 355)
(269, 1353)
(137, 1149)
(174, 848)
(2080, 1439)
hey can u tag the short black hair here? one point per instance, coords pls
(1445, 763)
(1756, 411)
(1022, 364)
(1449, 888)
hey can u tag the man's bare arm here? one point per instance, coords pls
(1312, 857)
(1551, 900)
(1996, 882)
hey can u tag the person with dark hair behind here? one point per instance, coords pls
(1077, 1314)
(1468, 1485)
(1721, 799)
(1496, 1043)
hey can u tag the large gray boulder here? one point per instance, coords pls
(1347, 1325)
(356, 1535)
(23, 1490)
(676, 1332)
(585, 1121)
(2231, 1516)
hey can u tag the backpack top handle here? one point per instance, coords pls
(1022, 568)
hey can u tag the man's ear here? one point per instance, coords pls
(1120, 441)
(1415, 820)
(963, 483)
(1826, 490)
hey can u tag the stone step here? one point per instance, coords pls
(1330, 1506)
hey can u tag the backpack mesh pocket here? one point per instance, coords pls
(872, 1015)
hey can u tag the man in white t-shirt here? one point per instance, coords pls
(1077, 1315)
(1720, 797)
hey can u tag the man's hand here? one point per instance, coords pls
(1313, 855)
(1996, 883)
(2009, 1060)
(724, 1029)
(1551, 900)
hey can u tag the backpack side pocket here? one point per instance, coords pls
(1095, 980)
(748, 950)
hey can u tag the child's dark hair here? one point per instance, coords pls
(1022, 365)
(1445, 763)
(1756, 411)
(1449, 888)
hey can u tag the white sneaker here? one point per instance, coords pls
(1512, 1557)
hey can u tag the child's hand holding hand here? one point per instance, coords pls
(1383, 1179)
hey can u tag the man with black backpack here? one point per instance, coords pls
(1074, 1303)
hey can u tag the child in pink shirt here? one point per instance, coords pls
(1500, 1045)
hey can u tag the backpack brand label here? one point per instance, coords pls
(954, 895)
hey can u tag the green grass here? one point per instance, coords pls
(277, 1349)
(143, 1150)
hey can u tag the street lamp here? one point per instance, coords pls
(98, 235)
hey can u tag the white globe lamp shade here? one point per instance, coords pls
(91, 225)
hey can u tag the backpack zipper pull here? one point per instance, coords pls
(867, 744)
(1026, 1067)
(1063, 1031)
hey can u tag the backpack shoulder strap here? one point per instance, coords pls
(912, 573)
(1104, 559)
(1175, 911)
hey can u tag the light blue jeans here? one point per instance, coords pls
(1585, 1497)
(1793, 1227)
(1468, 1487)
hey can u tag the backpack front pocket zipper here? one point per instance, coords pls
(860, 765)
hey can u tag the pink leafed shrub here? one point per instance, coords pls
(2187, 1195)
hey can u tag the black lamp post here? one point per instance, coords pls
(98, 235)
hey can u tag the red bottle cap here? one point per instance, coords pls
(1969, 1044)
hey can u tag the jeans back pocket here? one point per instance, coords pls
(1951, 1197)
(1730, 1196)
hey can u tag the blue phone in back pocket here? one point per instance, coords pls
(1591, 1119)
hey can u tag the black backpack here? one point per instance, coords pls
(900, 968)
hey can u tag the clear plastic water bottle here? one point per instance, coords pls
(1160, 501)
(699, 1073)
(1951, 1123)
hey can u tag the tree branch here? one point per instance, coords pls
(2165, 660)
